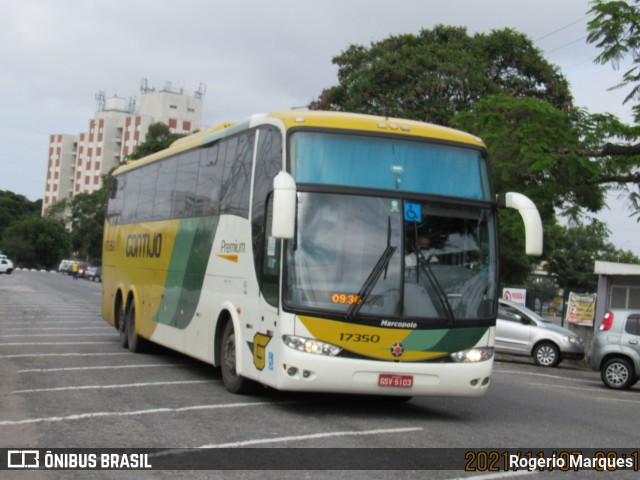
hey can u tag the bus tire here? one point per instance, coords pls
(137, 344)
(121, 322)
(233, 382)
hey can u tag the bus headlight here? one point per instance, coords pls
(310, 345)
(473, 355)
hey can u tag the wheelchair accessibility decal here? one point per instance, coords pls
(412, 212)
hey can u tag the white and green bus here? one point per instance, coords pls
(314, 251)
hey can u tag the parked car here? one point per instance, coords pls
(82, 269)
(615, 350)
(6, 265)
(94, 274)
(520, 331)
(65, 266)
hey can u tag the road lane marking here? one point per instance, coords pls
(614, 399)
(14, 335)
(22, 355)
(84, 416)
(41, 329)
(108, 387)
(102, 367)
(22, 344)
(520, 373)
(47, 322)
(313, 436)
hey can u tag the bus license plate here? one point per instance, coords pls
(396, 381)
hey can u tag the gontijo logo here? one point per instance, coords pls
(144, 245)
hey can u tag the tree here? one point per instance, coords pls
(87, 223)
(438, 73)
(499, 87)
(36, 242)
(158, 138)
(572, 252)
(615, 29)
(58, 210)
(13, 206)
(443, 72)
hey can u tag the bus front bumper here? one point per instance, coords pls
(307, 372)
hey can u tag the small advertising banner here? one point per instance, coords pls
(516, 295)
(581, 308)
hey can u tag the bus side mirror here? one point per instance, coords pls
(284, 206)
(530, 217)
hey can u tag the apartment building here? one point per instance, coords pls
(77, 162)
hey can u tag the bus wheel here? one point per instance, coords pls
(233, 382)
(122, 325)
(137, 344)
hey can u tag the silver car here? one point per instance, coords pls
(615, 350)
(520, 331)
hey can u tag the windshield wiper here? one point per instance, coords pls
(440, 293)
(371, 281)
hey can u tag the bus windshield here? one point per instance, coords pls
(357, 257)
(389, 163)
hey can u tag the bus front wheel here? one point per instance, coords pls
(233, 382)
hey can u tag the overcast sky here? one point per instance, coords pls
(253, 56)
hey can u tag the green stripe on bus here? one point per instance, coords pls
(189, 260)
(444, 340)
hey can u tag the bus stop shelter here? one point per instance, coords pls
(618, 287)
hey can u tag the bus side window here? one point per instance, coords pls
(271, 260)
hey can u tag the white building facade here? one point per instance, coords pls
(77, 163)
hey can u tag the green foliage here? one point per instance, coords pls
(438, 73)
(573, 250)
(14, 206)
(515, 265)
(36, 242)
(87, 223)
(501, 88)
(158, 138)
(58, 209)
(615, 29)
(532, 149)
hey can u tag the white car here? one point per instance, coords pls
(6, 265)
(520, 331)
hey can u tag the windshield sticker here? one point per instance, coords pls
(412, 212)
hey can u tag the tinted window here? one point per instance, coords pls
(389, 163)
(185, 187)
(130, 205)
(147, 193)
(116, 201)
(509, 313)
(236, 183)
(633, 326)
(209, 182)
(164, 188)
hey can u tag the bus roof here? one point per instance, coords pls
(373, 123)
(314, 119)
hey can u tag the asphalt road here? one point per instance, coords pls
(67, 383)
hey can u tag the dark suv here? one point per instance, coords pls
(615, 350)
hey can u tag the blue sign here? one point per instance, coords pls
(412, 212)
